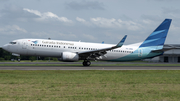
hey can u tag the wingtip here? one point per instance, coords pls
(122, 41)
(124, 38)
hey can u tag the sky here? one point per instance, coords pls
(87, 20)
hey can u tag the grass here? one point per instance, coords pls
(154, 85)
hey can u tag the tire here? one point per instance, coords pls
(86, 63)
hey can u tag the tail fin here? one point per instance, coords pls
(158, 37)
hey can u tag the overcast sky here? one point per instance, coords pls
(87, 20)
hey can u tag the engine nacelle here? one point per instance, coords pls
(69, 57)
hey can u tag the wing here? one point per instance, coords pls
(99, 52)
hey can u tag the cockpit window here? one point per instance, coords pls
(12, 42)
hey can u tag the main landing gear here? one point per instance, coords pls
(86, 63)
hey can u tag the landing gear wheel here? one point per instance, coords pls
(86, 63)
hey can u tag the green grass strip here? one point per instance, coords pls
(90, 85)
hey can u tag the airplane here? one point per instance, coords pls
(71, 51)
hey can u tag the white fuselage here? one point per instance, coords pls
(54, 48)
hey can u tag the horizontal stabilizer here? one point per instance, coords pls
(164, 49)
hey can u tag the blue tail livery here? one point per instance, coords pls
(158, 37)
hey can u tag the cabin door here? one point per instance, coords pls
(24, 45)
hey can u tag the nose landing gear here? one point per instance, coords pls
(86, 63)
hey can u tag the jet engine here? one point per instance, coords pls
(69, 57)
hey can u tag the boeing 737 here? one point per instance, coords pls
(71, 51)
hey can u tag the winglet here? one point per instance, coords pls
(121, 42)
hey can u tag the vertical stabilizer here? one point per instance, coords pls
(158, 37)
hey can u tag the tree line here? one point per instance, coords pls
(5, 55)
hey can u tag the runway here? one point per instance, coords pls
(88, 68)
(75, 67)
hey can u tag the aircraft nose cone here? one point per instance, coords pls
(5, 47)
